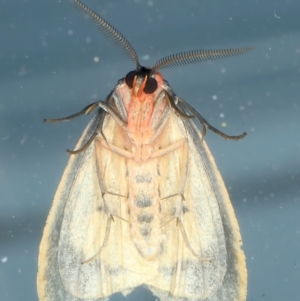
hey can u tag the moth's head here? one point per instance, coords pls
(144, 80)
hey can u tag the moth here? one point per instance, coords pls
(141, 201)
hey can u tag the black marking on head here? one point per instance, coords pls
(151, 83)
(143, 178)
(129, 78)
(143, 201)
(145, 218)
(146, 230)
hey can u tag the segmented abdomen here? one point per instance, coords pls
(144, 207)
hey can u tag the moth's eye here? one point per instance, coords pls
(151, 85)
(129, 78)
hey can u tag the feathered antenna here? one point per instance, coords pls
(110, 31)
(177, 59)
(188, 57)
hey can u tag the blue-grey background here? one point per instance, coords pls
(48, 69)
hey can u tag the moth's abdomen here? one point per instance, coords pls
(144, 208)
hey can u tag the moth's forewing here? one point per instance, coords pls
(235, 281)
(201, 162)
(49, 281)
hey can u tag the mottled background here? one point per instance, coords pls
(47, 69)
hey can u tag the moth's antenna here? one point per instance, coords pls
(188, 57)
(110, 31)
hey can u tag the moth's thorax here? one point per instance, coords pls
(143, 112)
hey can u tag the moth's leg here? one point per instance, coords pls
(107, 204)
(177, 215)
(159, 120)
(206, 125)
(167, 222)
(121, 218)
(186, 240)
(103, 187)
(129, 155)
(87, 110)
(97, 131)
(173, 101)
(86, 145)
(98, 127)
(168, 149)
(117, 150)
(107, 230)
